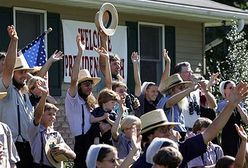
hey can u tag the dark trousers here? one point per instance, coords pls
(24, 151)
(82, 145)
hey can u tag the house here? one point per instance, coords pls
(146, 26)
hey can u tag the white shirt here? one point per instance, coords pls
(73, 111)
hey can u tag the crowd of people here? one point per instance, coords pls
(167, 125)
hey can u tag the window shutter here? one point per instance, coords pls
(170, 44)
(132, 45)
(54, 40)
(6, 17)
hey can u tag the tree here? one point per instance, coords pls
(242, 4)
(230, 57)
(237, 56)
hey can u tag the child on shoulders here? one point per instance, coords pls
(103, 117)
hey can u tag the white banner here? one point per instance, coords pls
(117, 44)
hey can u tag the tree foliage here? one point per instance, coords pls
(242, 4)
(237, 56)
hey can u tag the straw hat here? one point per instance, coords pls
(153, 119)
(2, 95)
(173, 81)
(84, 75)
(21, 64)
(36, 69)
(107, 19)
(55, 160)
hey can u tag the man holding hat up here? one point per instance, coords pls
(77, 107)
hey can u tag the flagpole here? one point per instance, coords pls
(48, 31)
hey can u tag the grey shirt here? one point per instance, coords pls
(9, 111)
(35, 133)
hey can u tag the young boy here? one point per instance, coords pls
(42, 130)
(214, 152)
(122, 141)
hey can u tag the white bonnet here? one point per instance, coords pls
(221, 86)
(92, 154)
(144, 86)
(155, 146)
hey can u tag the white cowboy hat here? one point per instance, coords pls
(55, 160)
(153, 119)
(107, 19)
(21, 64)
(84, 75)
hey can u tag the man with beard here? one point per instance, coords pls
(77, 107)
(15, 109)
(194, 100)
(175, 101)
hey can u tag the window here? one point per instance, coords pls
(151, 44)
(30, 23)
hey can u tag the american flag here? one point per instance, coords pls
(34, 52)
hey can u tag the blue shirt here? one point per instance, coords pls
(173, 114)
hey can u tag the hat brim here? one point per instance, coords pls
(36, 69)
(165, 123)
(186, 83)
(95, 80)
(52, 161)
(49, 155)
(111, 27)
(27, 69)
(3, 95)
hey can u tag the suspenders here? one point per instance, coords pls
(82, 119)
(19, 119)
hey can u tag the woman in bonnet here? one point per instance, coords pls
(106, 156)
(230, 139)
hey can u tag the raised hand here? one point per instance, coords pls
(136, 103)
(41, 87)
(241, 132)
(204, 85)
(238, 93)
(57, 55)
(101, 51)
(135, 138)
(135, 57)
(80, 43)
(213, 79)
(12, 32)
(166, 56)
(174, 135)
